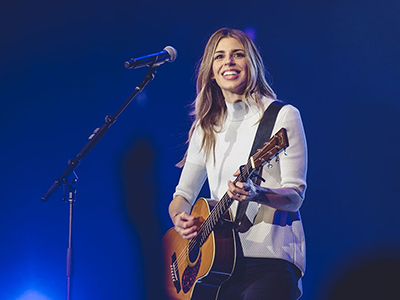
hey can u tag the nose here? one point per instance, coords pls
(229, 60)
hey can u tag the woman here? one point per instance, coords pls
(232, 95)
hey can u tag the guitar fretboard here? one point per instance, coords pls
(271, 149)
(219, 210)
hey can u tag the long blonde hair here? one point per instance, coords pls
(209, 105)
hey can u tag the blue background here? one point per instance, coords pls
(61, 73)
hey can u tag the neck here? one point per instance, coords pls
(233, 98)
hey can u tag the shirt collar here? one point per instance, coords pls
(239, 111)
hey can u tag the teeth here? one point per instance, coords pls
(230, 73)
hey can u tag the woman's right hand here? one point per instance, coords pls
(185, 225)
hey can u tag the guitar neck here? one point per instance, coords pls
(221, 207)
(272, 148)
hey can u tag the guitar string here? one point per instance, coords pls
(207, 227)
(204, 232)
(219, 209)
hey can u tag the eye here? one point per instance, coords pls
(239, 54)
(219, 56)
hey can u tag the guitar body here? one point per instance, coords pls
(197, 272)
(196, 269)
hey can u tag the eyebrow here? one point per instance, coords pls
(234, 50)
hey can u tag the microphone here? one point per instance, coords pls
(153, 60)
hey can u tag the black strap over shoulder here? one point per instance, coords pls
(263, 134)
(266, 125)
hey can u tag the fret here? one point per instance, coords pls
(270, 149)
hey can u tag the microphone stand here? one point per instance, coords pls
(94, 138)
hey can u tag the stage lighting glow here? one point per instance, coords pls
(33, 295)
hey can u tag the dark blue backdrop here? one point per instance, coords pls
(61, 73)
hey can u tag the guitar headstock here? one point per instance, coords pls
(278, 143)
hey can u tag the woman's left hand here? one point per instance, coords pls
(286, 199)
(247, 191)
(236, 191)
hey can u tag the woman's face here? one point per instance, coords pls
(230, 68)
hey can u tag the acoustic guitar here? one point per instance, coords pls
(197, 268)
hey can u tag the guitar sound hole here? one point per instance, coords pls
(194, 250)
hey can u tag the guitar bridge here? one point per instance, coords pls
(175, 273)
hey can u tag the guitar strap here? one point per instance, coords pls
(263, 134)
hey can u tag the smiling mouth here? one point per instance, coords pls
(230, 73)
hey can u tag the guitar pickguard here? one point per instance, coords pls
(189, 275)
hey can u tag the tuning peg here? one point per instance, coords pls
(277, 159)
(284, 152)
(269, 165)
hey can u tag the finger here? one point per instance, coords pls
(188, 233)
(241, 188)
(190, 236)
(233, 191)
(243, 192)
(183, 217)
(240, 185)
(237, 173)
(237, 189)
(184, 223)
(189, 224)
